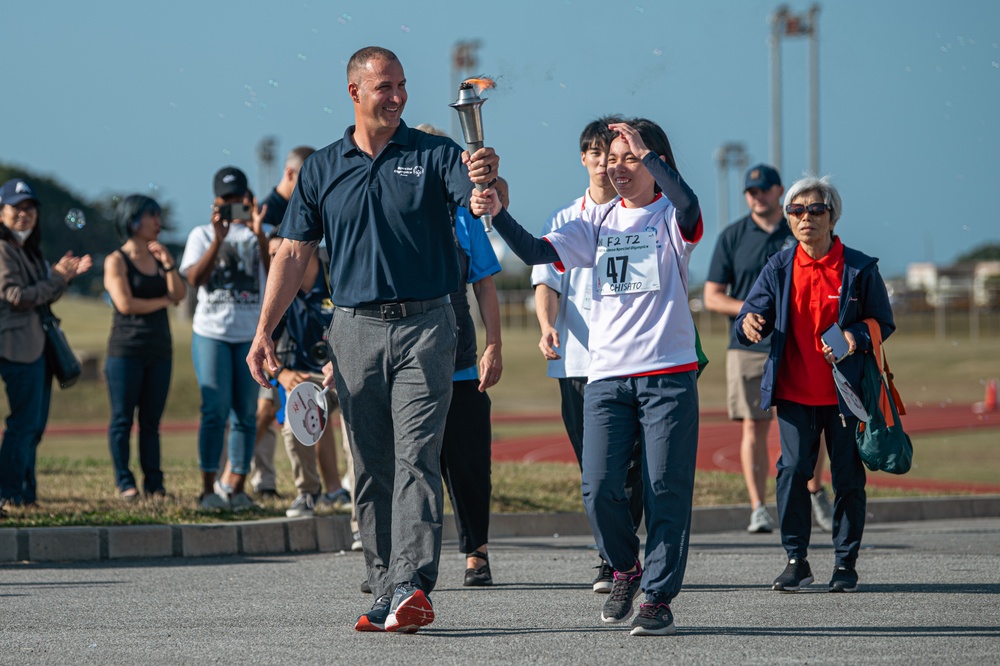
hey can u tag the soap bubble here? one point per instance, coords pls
(75, 219)
(404, 28)
(657, 52)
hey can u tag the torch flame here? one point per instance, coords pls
(481, 84)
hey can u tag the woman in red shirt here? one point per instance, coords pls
(800, 293)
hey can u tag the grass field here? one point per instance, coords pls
(75, 471)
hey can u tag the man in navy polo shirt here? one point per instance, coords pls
(380, 198)
(741, 252)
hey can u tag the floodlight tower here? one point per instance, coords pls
(728, 155)
(786, 24)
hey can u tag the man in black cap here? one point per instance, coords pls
(740, 254)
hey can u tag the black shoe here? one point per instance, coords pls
(845, 579)
(365, 587)
(796, 575)
(374, 620)
(480, 577)
(605, 578)
(653, 620)
(410, 609)
(618, 607)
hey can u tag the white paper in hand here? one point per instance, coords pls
(305, 411)
(850, 397)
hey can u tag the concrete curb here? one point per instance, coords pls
(326, 534)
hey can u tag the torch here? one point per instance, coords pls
(468, 106)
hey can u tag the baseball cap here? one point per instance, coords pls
(229, 181)
(762, 176)
(14, 191)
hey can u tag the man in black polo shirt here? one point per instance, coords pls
(380, 197)
(741, 252)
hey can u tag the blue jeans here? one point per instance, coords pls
(29, 387)
(137, 382)
(228, 390)
(661, 411)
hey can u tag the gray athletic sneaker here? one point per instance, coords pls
(625, 589)
(761, 521)
(336, 500)
(212, 502)
(302, 507)
(241, 502)
(653, 620)
(822, 509)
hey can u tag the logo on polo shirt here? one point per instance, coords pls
(405, 172)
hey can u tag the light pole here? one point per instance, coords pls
(786, 24)
(265, 161)
(732, 154)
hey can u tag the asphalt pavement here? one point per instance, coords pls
(929, 594)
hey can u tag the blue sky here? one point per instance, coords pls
(134, 97)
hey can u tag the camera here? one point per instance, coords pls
(234, 211)
(319, 352)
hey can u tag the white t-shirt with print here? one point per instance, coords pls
(229, 303)
(575, 291)
(635, 331)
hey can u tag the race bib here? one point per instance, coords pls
(627, 264)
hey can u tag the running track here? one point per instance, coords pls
(718, 444)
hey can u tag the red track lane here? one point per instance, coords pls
(719, 448)
(718, 443)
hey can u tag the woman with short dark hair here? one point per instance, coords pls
(26, 284)
(142, 279)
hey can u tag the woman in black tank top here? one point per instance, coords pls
(142, 280)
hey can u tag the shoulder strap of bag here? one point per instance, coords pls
(888, 388)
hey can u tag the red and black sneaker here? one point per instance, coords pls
(410, 609)
(374, 620)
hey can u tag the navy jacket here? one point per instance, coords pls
(862, 296)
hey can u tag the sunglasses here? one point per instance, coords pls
(798, 210)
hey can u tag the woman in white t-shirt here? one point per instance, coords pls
(227, 261)
(643, 362)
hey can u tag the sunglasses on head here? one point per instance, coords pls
(798, 210)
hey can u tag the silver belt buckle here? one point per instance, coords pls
(392, 311)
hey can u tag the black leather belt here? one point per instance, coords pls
(390, 311)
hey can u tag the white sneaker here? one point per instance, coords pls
(822, 510)
(302, 507)
(761, 521)
(223, 490)
(212, 502)
(356, 544)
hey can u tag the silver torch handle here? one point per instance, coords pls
(487, 219)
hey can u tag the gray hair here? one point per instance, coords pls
(822, 186)
(298, 155)
(430, 129)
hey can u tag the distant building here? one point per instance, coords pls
(956, 286)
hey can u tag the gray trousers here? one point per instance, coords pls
(394, 381)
